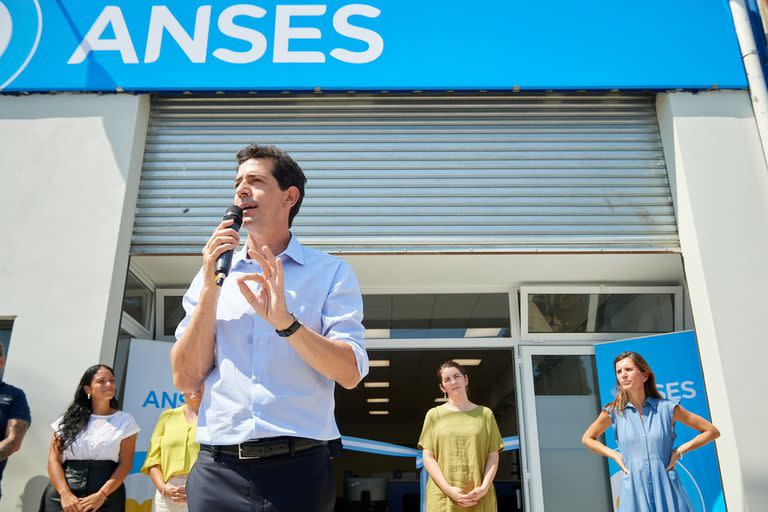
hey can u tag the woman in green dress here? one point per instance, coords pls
(461, 443)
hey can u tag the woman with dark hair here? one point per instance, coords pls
(644, 424)
(92, 449)
(461, 444)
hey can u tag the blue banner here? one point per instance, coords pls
(674, 358)
(216, 45)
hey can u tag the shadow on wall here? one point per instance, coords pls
(33, 491)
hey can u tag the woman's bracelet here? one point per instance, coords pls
(679, 453)
(101, 491)
(165, 490)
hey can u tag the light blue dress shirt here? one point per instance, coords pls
(259, 386)
(646, 443)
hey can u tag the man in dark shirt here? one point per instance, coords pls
(14, 418)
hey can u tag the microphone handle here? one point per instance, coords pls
(224, 262)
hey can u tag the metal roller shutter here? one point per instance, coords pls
(419, 173)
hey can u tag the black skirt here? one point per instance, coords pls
(84, 478)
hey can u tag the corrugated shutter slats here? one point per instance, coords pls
(419, 173)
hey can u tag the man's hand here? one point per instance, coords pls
(223, 239)
(269, 300)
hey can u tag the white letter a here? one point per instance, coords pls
(93, 42)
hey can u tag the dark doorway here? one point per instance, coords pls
(402, 387)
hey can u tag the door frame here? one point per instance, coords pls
(530, 461)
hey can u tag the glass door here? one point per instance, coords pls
(560, 399)
(381, 420)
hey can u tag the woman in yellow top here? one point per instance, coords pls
(461, 444)
(172, 452)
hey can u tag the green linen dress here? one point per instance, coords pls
(461, 442)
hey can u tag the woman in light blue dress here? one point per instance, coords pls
(644, 423)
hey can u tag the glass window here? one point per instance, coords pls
(565, 388)
(137, 302)
(648, 312)
(5, 338)
(558, 312)
(173, 313)
(601, 313)
(437, 316)
(564, 375)
(121, 362)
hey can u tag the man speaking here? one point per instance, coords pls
(268, 346)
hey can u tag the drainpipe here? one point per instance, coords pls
(757, 86)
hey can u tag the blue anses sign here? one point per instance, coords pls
(674, 358)
(212, 45)
(21, 25)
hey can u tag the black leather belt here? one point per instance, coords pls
(263, 448)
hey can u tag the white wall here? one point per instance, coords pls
(720, 187)
(69, 172)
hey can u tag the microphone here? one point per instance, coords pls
(224, 261)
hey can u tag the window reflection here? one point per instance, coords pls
(635, 313)
(564, 375)
(558, 312)
(137, 302)
(173, 314)
(601, 313)
(5, 338)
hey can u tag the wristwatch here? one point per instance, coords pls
(284, 333)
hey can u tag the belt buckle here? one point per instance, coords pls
(250, 449)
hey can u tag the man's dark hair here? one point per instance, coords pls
(285, 170)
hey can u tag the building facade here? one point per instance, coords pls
(556, 178)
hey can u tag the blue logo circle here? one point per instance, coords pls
(21, 24)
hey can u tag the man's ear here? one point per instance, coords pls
(292, 196)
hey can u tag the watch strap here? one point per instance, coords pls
(284, 333)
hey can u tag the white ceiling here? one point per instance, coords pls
(452, 273)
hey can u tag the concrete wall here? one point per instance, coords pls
(70, 167)
(720, 188)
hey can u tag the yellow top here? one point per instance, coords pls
(461, 442)
(173, 446)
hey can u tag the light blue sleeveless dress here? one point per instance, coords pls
(646, 443)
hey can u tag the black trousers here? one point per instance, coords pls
(299, 483)
(84, 478)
